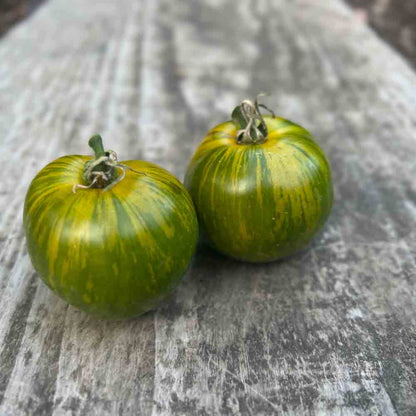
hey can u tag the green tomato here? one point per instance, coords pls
(261, 193)
(115, 252)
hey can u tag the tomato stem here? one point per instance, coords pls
(105, 170)
(96, 143)
(253, 128)
(101, 171)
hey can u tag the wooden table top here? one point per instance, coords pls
(329, 331)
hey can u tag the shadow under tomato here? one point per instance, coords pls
(216, 284)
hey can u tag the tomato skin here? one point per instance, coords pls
(114, 254)
(260, 202)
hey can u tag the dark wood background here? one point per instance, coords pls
(329, 331)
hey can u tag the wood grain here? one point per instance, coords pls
(330, 331)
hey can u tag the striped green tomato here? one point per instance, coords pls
(114, 253)
(262, 200)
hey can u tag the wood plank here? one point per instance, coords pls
(303, 335)
(328, 331)
(47, 364)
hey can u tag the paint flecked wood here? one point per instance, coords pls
(329, 331)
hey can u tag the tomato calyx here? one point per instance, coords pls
(253, 129)
(105, 170)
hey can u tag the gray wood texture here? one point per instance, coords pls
(329, 331)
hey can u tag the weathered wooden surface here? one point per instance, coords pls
(330, 331)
